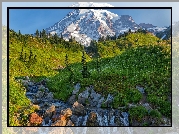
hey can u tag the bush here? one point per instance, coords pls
(137, 113)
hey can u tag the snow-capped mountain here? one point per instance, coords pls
(90, 24)
(164, 34)
(152, 28)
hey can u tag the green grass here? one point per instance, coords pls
(148, 66)
(48, 58)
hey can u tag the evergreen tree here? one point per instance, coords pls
(85, 72)
(21, 54)
(61, 36)
(30, 56)
(56, 38)
(40, 34)
(20, 36)
(68, 68)
(37, 33)
(43, 33)
(19, 32)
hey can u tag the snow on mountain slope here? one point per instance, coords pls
(90, 24)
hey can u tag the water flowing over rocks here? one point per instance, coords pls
(83, 108)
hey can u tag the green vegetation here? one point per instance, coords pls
(117, 66)
(138, 113)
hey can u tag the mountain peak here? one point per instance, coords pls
(90, 4)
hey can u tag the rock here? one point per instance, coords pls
(76, 89)
(29, 94)
(41, 87)
(49, 112)
(141, 89)
(27, 77)
(72, 99)
(47, 119)
(35, 119)
(30, 83)
(81, 99)
(94, 99)
(74, 118)
(55, 117)
(85, 94)
(147, 106)
(93, 103)
(36, 101)
(124, 118)
(34, 89)
(59, 123)
(39, 94)
(43, 82)
(69, 123)
(95, 95)
(78, 109)
(41, 112)
(36, 107)
(100, 102)
(67, 112)
(57, 104)
(24, 82)
(46, 90)
(92, 119)
(109, 99)
(49, 96)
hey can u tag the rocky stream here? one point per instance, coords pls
(81, 109)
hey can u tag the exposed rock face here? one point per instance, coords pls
(78, 109)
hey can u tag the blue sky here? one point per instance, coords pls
(29, 20)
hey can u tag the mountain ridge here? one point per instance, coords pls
(86, 25)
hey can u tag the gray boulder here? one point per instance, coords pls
(76, 89)
(72, 99)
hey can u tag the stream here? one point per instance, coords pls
(76, 110)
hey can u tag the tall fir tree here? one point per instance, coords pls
(37, 33)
